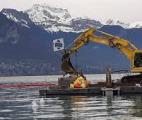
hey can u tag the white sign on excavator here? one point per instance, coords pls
(58, 44)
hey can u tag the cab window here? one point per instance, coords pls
(138, 60)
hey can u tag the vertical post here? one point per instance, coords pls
(108, 78)
(76, 60)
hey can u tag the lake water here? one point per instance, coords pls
(26, 104)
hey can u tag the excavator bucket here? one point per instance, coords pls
(66, 65)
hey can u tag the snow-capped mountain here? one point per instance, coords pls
(51, 19)
(124, 25)
(57, 19)
(80, 24)
(119, 23)
(136, 25)
(20, 43)
(44, 12)
(18, 17)
(54, 19)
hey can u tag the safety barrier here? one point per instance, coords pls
(24, 85)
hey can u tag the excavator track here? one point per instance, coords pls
(132, 79)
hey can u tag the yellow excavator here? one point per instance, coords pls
(133, 54)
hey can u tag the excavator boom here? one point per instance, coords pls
(133, 54)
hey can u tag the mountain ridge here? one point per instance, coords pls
(54, 19)
(22, 44)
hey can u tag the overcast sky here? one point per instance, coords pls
(123, 10)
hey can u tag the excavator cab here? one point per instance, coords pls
(137, 62)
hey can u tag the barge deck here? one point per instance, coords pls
(124, 90)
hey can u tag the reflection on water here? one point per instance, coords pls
(16, 104)
(25, 104)
(137, 108)
(84, 108)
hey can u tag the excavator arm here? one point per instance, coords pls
(80, 41)
(133, 54)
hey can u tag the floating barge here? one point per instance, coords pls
(100, 88)
(124, 90)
